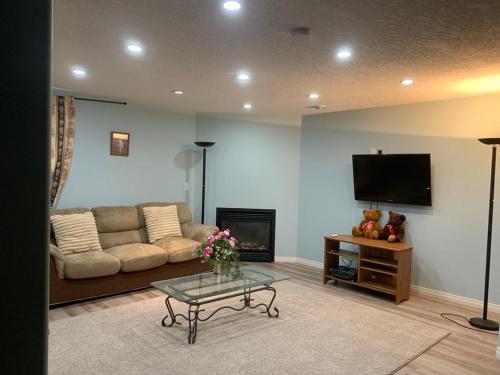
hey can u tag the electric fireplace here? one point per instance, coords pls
(254, 229)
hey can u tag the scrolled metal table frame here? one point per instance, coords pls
(194, 309)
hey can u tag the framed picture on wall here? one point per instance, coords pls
(119, 143)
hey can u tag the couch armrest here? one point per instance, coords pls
(58, 259)
(197, 232)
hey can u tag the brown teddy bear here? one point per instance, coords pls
(368, 228)
(394, 230)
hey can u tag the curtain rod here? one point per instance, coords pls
(101, 100)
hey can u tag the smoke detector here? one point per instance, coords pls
(317, 106)
(300, 32)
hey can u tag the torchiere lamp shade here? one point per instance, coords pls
(490, 141)
(204, 144)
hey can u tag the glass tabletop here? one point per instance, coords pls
(204, 285)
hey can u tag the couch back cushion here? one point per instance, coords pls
(120, 238)
(117, 225)
(116, 218)
(121, 225)
(183, 212)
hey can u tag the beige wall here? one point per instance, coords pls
(473, 117)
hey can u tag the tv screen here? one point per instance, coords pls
(397, 178)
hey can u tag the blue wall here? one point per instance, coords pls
(449, 239)
(156, 169)
(253, 166)
(257, 165)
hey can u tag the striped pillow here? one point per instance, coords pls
(75, 233)
(162, 222)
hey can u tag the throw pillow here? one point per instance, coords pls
(75, 233)
(162, 222)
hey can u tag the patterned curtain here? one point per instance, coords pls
(62, 135)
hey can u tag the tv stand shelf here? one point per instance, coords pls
(382, 266)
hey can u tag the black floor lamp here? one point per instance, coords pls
(205, 145)
(484, 322)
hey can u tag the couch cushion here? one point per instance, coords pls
(90, 264)
(138, 256)
(64, 211)
(183, 211)
(162, 222)
(119, 238)
(178, 249)
(116, 218)
(75, 233)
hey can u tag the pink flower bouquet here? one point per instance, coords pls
(219, 249)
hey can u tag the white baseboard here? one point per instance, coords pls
(448, 297)
(279, 259)
(415, 289)
(307, 262)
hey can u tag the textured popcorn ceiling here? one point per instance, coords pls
(450, 47)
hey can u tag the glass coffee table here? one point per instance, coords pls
(205, 288)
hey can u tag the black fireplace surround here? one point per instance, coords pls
(254, 229)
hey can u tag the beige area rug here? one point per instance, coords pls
(317, 332)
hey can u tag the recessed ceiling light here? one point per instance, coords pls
(232, 6)
(344, 54)
(134, 48)
(79, 72)
(313, 96)
(177, 92)
(247, 106)
(407, 82)
(243, 77)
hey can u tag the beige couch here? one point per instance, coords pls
(128, 261)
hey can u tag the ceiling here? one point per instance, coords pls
(451, 48)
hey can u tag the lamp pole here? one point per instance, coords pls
(204, 145)
(484, 322)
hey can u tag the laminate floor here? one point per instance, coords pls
(464, 352)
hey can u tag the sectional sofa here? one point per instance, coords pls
(128, 261)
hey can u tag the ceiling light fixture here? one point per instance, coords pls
(243, 77)
(177, 92)
(407, 82)
(134, 48)
(344, 54)
(232, 6)
(313, 96)
(79, 72)
(247, 106)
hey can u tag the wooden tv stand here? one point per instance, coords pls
(383, 266)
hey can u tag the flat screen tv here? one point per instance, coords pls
(396, 178)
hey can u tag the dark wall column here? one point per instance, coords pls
(24, 108)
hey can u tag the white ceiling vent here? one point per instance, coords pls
(317, 106)
(300, 32)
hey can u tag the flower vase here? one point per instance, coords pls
(218, 269)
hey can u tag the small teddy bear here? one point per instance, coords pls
(394, 230)
(369, 227)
